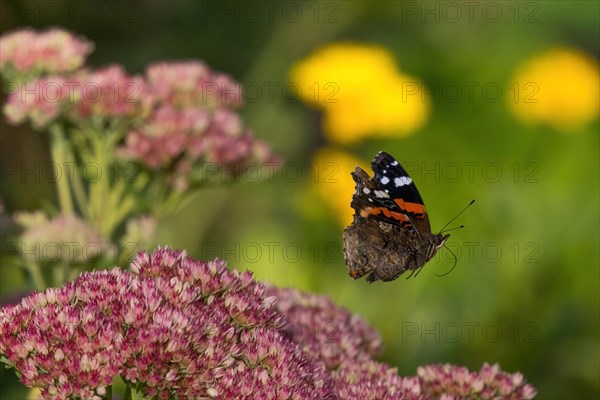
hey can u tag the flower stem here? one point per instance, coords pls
(59, 150)
(127, 393)
(36, 275)
(99, 207)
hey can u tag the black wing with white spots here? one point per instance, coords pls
(390, 195)
(390, 175)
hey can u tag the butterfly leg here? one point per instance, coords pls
(418, 270)
(413, 271)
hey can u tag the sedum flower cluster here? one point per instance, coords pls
(64, 238)
(174, 327)
(127, 149)
(192, 120)
(29, 53)
(177, 115)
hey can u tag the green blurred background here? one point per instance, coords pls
(526, 290)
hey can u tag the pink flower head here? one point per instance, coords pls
(180, 140)
(40, 101)
(215, 335)
(227, 143)
(64, 238)
(70, 341)
(180, 328)
(110, 93)
(326, 331)
(192, 124)
(170, 80)
(345, 344)
(268, 366)
(52, 51)
(165, 136)
(487, 383)
(192, 84)
(106, 93)
(222, 89)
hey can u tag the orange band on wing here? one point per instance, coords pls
(414, 208)
(365, 212)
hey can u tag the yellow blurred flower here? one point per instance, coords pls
(559, 87)
(361, 92)
(333, 182)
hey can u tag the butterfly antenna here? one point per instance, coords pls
(457, 215)
(453, 229)
(455, 259)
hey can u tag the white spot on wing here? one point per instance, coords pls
(381, 194)
(403, 180)
(394, 163)
(366, 191)
(385, 180)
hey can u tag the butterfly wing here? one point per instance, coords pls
(390, 196)
(383, 254)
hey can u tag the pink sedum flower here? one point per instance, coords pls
(192, 123)
(226, 142)
(324, 330)
(48, 52)
(365, 378)
(165, 136)
(70, 341)
(41, 101)
(459, 383)
(192, 84)
(175, 327)
(86, 97)
(65, 238)
(110, 92)
(346, 345)
(221, 340)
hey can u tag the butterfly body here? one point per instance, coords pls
(390, 233)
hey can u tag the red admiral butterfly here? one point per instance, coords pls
(390, 233)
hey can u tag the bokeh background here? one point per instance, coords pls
(505, 112)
